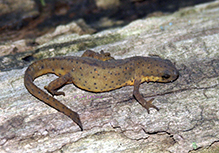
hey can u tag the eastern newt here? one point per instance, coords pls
(96, 72)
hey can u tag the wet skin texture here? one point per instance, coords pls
(96, 72)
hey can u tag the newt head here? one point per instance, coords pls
(169, 73)
(160, 70)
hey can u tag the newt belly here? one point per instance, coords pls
(96, 72)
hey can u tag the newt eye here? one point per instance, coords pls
(165, 76)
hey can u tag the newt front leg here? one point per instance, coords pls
(140, 99)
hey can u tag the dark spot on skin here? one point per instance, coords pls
(76, 62)
(39, 92)
(59, 74)
(95, 87)
(63, 107)
(152, 72)
(118, 73)
(93, 76)
(85, 81)
(98, 74)
(148, 67)
(89, 88)
(111, 73)
(112, 81)
(106, 84)
(95, 69)
(53, 70)
(56, 104)
(110, 86)
(42, 67)
(62, 68)
(83, 84)
(90, 72)
(79, 79)
(95, 83)
(80, 67)
(81, 74)
(104, 76)
(142, 64)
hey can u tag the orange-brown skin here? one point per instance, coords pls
(94, 73)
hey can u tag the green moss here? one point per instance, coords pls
(60, 49)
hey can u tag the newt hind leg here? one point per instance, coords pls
(140, 99)
(103, 56)
(56, 84)
(52, 88)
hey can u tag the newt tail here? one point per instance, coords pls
(34, 71)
